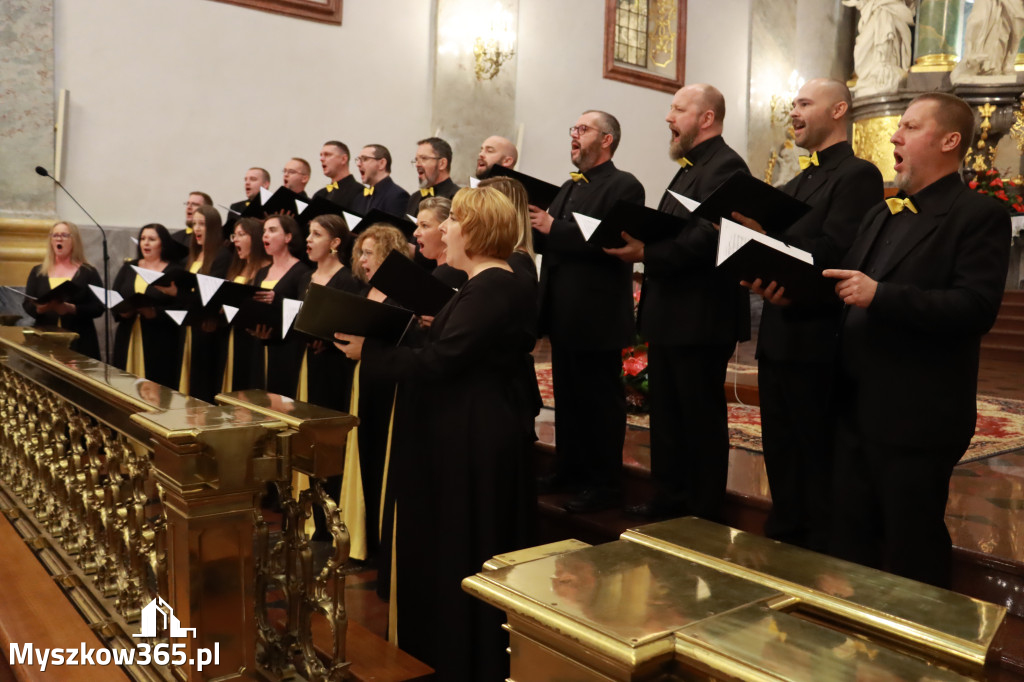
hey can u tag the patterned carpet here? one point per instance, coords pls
(1000, 426)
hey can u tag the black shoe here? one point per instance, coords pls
(592, 500)
(658, 508)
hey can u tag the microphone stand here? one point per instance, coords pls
(106, 264)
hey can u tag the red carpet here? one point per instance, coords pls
(1000, 422)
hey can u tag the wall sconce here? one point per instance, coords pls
(494, 46)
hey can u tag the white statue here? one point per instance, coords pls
(882, 51)
(993, 32)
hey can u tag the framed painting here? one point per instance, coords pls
(326, 11)
(645, 42)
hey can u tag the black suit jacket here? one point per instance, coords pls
(685, 300)
(840, 191)
(445, 188)
(387, 196)
(586, 296)
(910, 359)
(349, 191)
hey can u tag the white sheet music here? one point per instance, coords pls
(733, 236)
(688, 203)
(586, 224)
(289, 309)
(300, 205)
(149, 275)
(115, 297)
(177, 315)
(208, 286)
(265, 195)
(351, 219)
(474, 181)
(229, 312)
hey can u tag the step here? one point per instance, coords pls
(1002, 353)
(1006, 322)
(1001, 337)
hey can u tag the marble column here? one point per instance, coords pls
(27, 116)
(468, 109)
(938, 36)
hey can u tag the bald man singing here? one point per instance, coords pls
(495, 150)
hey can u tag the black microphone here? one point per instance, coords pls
(106, 259)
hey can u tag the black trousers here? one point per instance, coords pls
(797, 427)
(689, 425)
(890, 508)
(590, 415)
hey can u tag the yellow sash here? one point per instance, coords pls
(186, 363)
(136, 359)
(351, 500)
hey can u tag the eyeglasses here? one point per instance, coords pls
(193, 204)
(367, 159)
(581, 130)
(423, 159)
(290, 171)
(60, 236)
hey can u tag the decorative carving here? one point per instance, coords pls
(871, 142)
(882, 50)
(993, 33)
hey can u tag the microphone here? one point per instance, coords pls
(106, 259)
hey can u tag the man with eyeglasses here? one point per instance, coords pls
(379, 190)
(295, 176)
(194, 201)
(586, 309)
(343, 189)
(692, 317)
(496, 150)
(433, 168)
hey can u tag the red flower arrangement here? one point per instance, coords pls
(1008, 192)
(634, 377)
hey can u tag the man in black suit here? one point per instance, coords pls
(380, 191)
(343, 189)
(586, 309)
(433, 168)
(254, 178)
(692, 317)
(925, 281)
(796, 345)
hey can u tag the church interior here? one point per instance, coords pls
(115, 490)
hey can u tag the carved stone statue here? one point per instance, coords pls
(993, 32)
(882, 51)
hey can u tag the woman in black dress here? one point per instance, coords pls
(434, 211)
(523, 260)
(204, 342)
(146, 341)
(241, 370)
(285, 277)
(65, 261)
(461, 453)
(327, 373)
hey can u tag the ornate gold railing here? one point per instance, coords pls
(127, 490)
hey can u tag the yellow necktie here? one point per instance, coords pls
(579, 176)
(428, 192)
(684, 162)
(896, 205)
(331, 187)
(368, 191)
(808, 161)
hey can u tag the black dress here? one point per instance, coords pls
(207, 350)
(284, 357)
(449, 275)
(159, 336)
(241, 353)
(87, 308)
(462, 471)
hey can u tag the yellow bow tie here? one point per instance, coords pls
(331, 187)
(368, 191)
(896, 205)
(188, 230)
(579, 176)
(428, 192)
(808, 161)
(684, 162)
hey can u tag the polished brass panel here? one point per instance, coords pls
(871, 143)
(23, 243)
(757, 643)
(532, 553)
(619, 601)
(940, 623)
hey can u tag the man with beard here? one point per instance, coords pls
(796, 344)
(925, 282)
(343, 189)
(379, 191)
(586, 309)
(433, 168)
(692, 317)
(495, 150)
